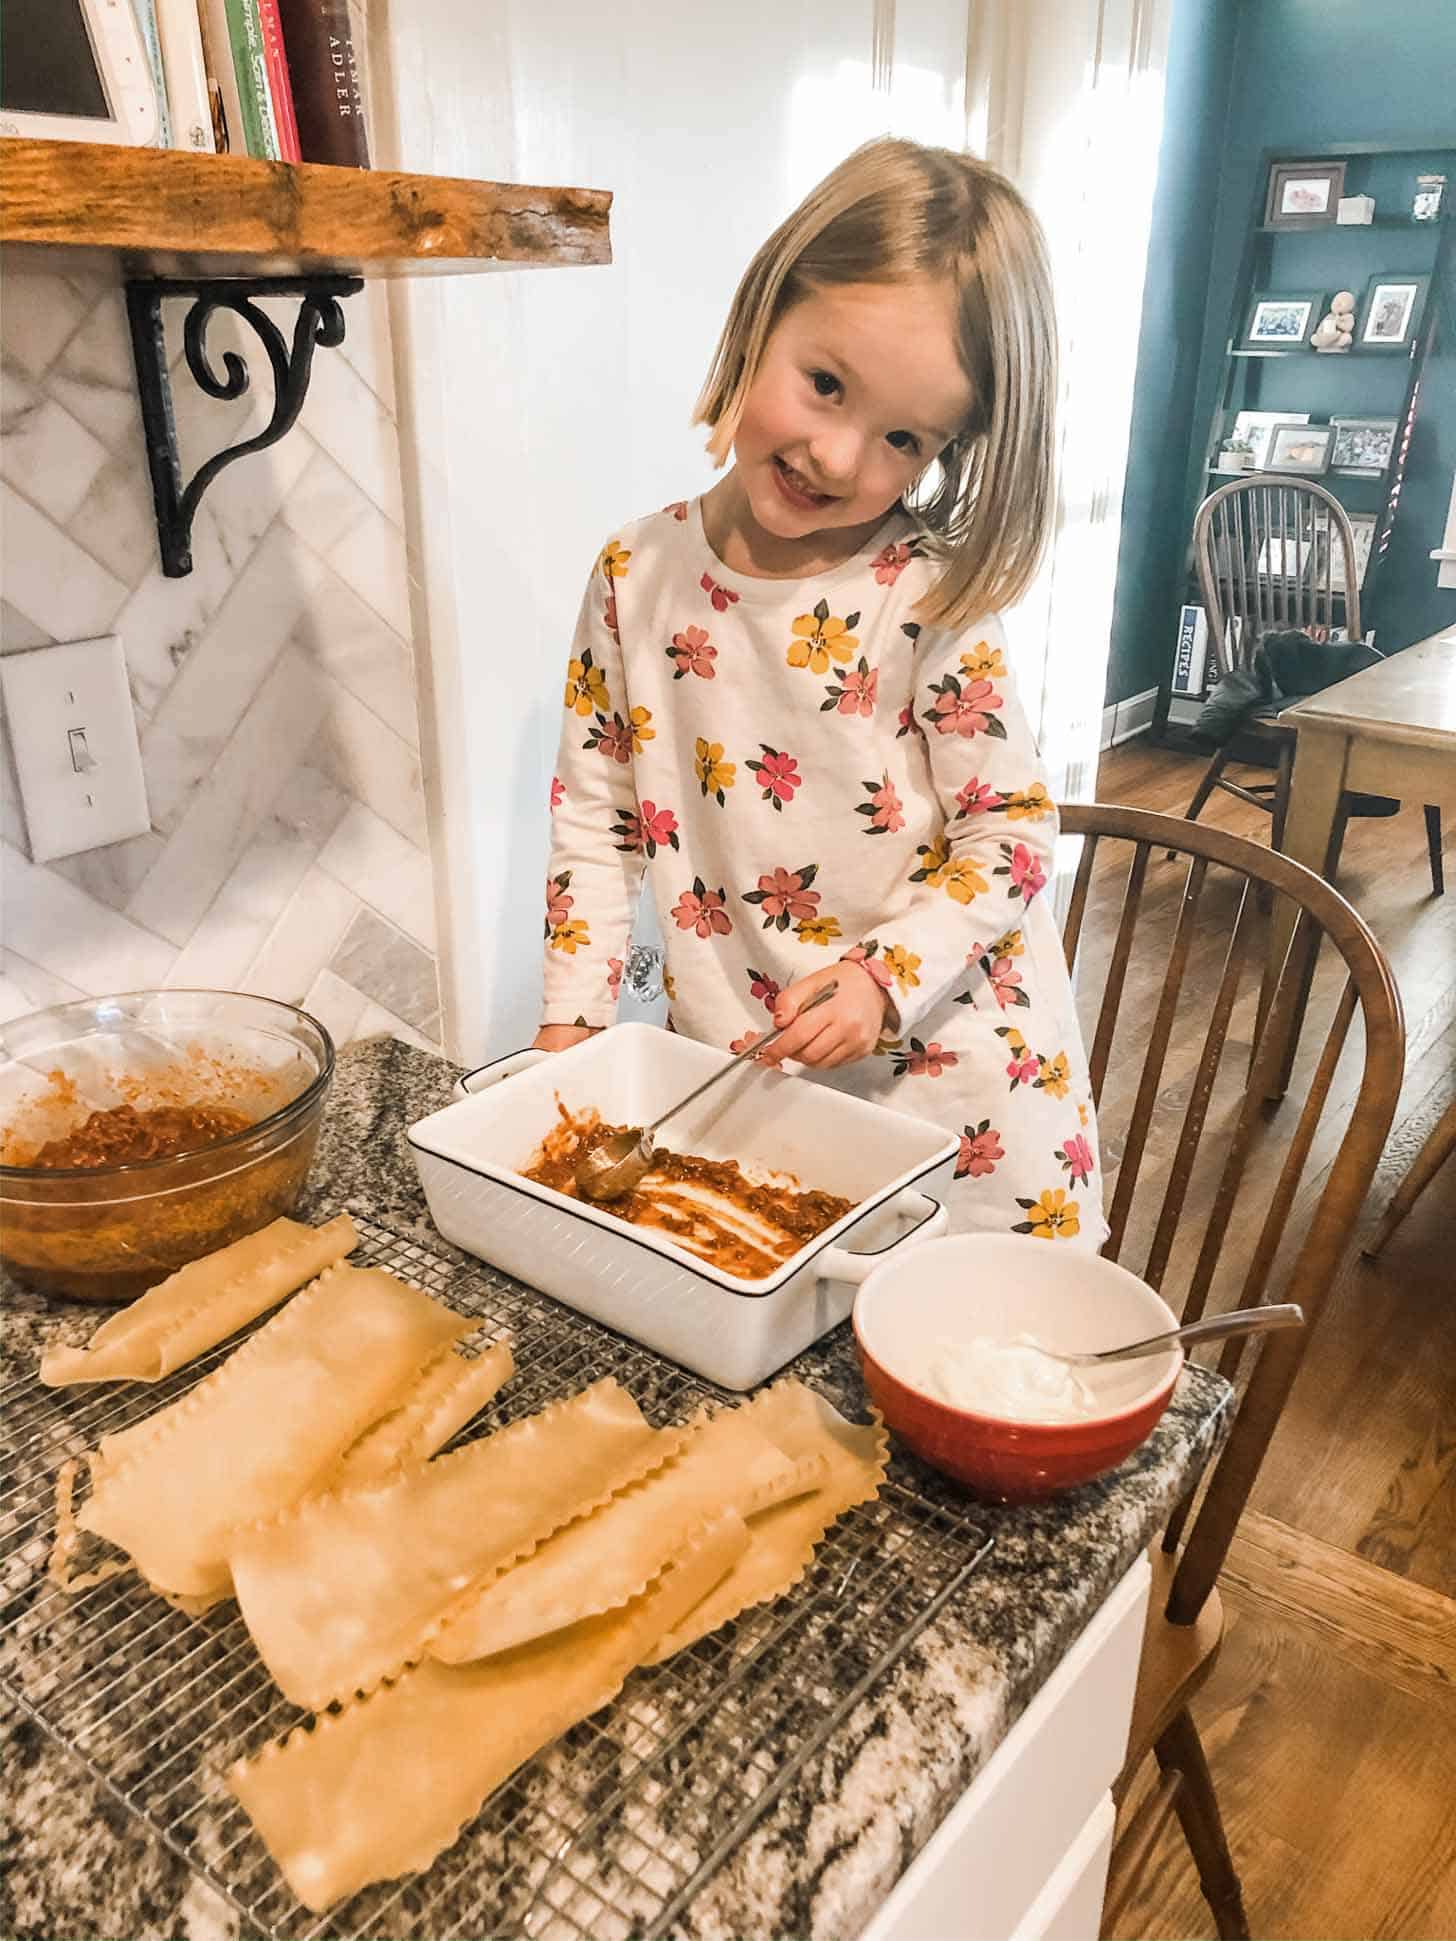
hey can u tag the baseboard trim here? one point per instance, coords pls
(1127, 718)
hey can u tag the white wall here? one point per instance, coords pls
(541, 410)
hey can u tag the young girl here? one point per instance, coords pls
(789, 706)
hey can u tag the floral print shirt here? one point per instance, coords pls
(803, 772)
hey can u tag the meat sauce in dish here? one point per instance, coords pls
(709, 1207)
(124, 1136)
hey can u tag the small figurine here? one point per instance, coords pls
(1336, 329)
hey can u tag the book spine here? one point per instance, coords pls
(185, 68)
(279, 84)
(1183, 652)
(327, 95)
(251, 63)
(146, 19)
(217, 37)
(1199, 658)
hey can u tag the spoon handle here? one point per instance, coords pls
(1243, 1320)
(824, 992)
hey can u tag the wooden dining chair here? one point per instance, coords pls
(1266, 550)
(1218, 1201)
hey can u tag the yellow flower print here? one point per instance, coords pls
(669, 984)
(902, 965)
(1052, 1217)
(1055, 1076)
(983, 663)
(715, 776)
(817, 930)
(1029, 805)
(571, 936)
(1013, 944)
(586, 687)
(614, 560)
(820, 637)
(934, 856)
(641, 731)
(962, 881)
(1082, 1113)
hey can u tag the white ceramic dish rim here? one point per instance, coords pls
(1140, 1401)
(620, 1230)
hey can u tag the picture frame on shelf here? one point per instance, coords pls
(1287, 556)
(1300, 449)
(1362, 526)
(1256, 426)
(1303, 195)
(1362, 447)
(1282, 320)
(1391, 311)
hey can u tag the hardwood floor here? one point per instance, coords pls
(1330, 1719)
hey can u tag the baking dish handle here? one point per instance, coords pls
(484, 1076)
(840, 1264)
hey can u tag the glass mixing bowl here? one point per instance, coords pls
(109, 1232)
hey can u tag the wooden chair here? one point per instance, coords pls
(1192, 1148)
(1242, 533)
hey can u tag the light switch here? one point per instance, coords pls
(73, 733)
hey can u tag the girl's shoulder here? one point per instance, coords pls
(643, 540)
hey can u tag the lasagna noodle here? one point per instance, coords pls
(605, 1559)
(202, 1304)
(443, 1399)
(801, 1424)
(350, 1586)
(259, 1432)
(383, 1787)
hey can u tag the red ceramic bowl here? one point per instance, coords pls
(999, 1286)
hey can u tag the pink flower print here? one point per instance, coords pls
(891, 561)
(1076, 1156)
(980, 1149)
(1005, 981)
(721, 596)
(882, 807)
(558, 903)
(702, 910)
(908, 724)
(615, 968)
(765, 988)
(785, 896)
(1023, 1066)
(1024, 868)
(857, 692)
(749, 1037)
(924, 1061)
(778, 776)
(677, 510)
(864, 955)
(619, 739)
(646, 828)
(978, 798)
(558, 793)
(964, 710)
(609, 618)
(692, 652)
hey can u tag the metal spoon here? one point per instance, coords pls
(617, 1165)
(1242, 1320)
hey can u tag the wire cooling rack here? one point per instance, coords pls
(607, 1833)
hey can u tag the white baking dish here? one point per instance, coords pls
(735, 1332)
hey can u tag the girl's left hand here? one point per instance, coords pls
(845, 1027)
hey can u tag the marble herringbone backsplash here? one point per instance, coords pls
(274, 688)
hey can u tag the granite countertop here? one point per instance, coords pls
(75, 1863)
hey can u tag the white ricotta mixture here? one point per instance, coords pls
(1015, 1379)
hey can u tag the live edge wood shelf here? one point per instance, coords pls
(225, 230)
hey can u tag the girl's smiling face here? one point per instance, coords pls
(859, 388)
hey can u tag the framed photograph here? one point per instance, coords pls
(1303, 195)
(1302, 448)
(1282, 322)
(1257, 425)
(1362, 524)
(1363, 447)
(1283, 556)
(1391, 312)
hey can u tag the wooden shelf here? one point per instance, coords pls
(168, 212)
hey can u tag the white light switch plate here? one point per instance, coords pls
(73, 733)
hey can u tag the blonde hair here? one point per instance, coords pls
(894, 210)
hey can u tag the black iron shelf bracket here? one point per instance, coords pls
(320, 320)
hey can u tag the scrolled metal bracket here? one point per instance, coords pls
(320, 320)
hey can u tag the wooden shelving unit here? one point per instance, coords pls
(222, 231)
(168, 212)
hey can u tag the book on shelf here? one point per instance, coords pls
(280, 86)
(180, 33)
(146, 19)
(237, 58)
(328, 95)
(1190, 656)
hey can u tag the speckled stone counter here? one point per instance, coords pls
(74, 1863)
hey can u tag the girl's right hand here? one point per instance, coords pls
(561, 1037)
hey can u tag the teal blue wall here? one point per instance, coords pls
(1272, 74)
